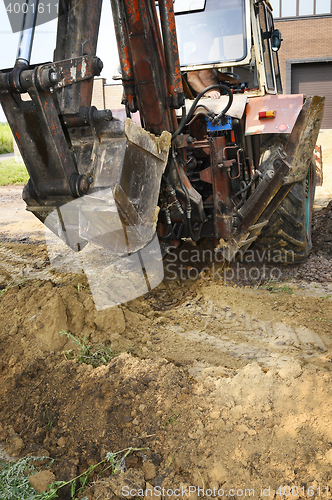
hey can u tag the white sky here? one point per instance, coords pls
(44, 44)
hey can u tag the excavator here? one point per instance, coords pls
(238, 170)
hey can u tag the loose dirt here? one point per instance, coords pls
(222, 378)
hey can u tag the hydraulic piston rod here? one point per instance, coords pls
(27, 33)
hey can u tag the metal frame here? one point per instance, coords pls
(258, 44)
(267, 90)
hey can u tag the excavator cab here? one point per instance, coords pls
(231, 37)
(211, 33)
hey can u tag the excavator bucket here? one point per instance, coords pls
(124, 164)
(116, 221)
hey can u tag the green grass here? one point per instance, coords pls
(15, 485)
(6, 139)
(275, 288)
(12, 173)
(14, 480)
(91, 355)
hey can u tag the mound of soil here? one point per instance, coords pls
(322, 231)
(221, 377)
(220, 387)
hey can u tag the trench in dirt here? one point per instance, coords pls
(224, 382)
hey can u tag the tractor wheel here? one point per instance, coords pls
(287, 237)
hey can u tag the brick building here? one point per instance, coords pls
(107, 96)
(306, 51)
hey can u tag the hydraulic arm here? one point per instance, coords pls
(61, 137)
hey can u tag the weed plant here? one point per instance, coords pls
(15, 485)
(14, 480)
(92, 355)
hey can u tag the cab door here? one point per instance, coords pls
(269, 49)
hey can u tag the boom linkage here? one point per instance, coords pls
(45, 103)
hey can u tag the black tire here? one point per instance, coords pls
(288, 234)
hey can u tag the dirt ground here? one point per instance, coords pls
(224, 380)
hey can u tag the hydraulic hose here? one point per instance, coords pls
(171, 229)
(185, 118)
(254, 177)
(187, 221)
(181, 124)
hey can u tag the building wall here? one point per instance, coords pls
(305, 39)
(113, 96)
(106, 96)
(98, 97)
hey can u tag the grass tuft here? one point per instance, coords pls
(276, 288)
(20, 283)
(12, 173)
(6, 139)
(91, 355)
(14, 478)
(15, 485)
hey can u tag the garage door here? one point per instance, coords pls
(315, 79)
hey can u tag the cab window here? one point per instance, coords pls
(216, 34)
